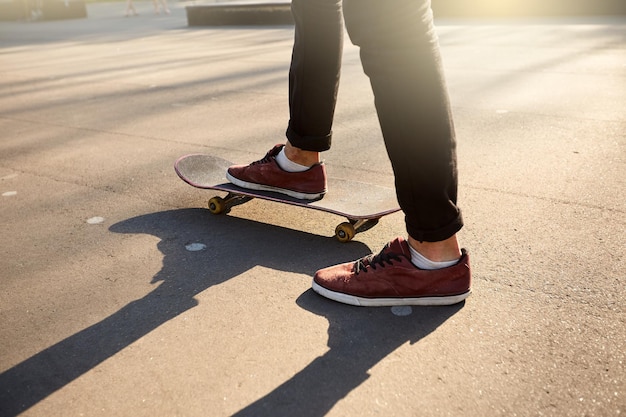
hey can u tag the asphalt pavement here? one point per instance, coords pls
(121, 295)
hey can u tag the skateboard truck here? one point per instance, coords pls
(344, 232)
(218, 205)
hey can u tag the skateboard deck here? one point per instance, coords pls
(361, 204)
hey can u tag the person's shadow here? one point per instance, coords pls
(358, 338)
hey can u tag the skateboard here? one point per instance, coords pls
(361, 204)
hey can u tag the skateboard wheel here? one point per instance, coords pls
(217, 205)
(345, 232)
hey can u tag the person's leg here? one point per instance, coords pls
(314, 72)
(400, 54)
(295, 169)
(313, 77)
(130, 8)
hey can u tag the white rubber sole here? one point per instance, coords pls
(388, 302)
(261, 187)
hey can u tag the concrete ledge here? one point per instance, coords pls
(222, 14)
(12, 10)
(50, 10)
(239, 14)
(524, 8)
(58, 10)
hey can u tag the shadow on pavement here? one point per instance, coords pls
(233, 247)
(358, 339)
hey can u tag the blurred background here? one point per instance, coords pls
(67, 9)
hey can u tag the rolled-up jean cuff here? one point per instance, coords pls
(309, 143)
(437, 235)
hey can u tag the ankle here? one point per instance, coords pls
(288, 165)
(300, 156)
(442, 251)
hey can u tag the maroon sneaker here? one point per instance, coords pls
(390, 279)
(266, 175)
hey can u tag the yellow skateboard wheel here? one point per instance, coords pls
(217, 205)
(345, 232)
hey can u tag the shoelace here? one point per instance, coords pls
(372, 261)
(268, 157)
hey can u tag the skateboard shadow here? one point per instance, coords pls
(358, 339)
(233, 246)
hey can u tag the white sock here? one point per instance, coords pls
(287, 164)
(423, 262)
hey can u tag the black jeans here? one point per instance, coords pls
(400, 55)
